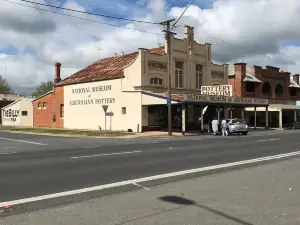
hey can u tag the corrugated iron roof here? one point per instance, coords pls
(104, 69)
(10, 97)
(107, 68)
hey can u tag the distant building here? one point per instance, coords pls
(18, 113)
(280, 88)
(6, 99)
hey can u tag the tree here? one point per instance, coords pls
(4, 86)
(43, 88)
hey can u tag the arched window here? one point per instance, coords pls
(156, 81)
(279, 90)
(266, 88)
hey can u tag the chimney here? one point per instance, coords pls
(189, 35)
(57, 78)
(116, 54)
(296, 78)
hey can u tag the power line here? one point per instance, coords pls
(182, 13)
(81, 18)
(90, 13)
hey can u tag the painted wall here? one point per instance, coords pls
(11, 114)
(190, 53)
(83, 106)
(26, 106)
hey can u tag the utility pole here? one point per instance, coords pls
(169, 101)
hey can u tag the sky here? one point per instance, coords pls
(260, 32)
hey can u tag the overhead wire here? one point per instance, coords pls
(81, 18)
(90, 13)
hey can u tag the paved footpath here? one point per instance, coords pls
(265, 194)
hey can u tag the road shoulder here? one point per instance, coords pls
(266, 194)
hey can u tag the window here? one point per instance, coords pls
(24, 113)
(266, 88)
(62, 111)
(250, 87)
(44, 105)
(178, 74)
(156, 81)
(123, 110)
(39, 105)
(293, 92)
(279, 90)
(199, 72)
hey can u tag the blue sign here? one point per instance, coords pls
(168, 102)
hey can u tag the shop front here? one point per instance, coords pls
(194, 111)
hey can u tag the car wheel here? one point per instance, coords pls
(245, 133)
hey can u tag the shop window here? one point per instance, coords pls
(266, 88)
(250, 87)
(44, 105)
(279, 90)
(156, 81)
(24, 113)
(293, 92)
(123, 110)
(199, 72)
(62, 111)
(178, 74)
(39, 105)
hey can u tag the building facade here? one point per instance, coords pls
(129, 92)
(18, 113)
(279, 87)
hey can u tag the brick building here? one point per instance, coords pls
(271, 83)
(48, 109)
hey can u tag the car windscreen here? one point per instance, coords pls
(237, 121)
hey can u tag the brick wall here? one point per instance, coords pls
(43, 117)
(271, 75)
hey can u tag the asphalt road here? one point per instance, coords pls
(38, 165)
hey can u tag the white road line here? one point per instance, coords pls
(141, 186)
(9, 147)
(8, 153)
(108, 154)
(29, 142)
(274, 139)
(140, 180)
(88, 147)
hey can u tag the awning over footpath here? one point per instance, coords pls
(229, 101)
(273, 108)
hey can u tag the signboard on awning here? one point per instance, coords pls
(225, 99)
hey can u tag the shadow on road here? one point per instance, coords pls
(184, 201)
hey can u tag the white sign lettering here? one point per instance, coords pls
(225, 99)
(223, 90)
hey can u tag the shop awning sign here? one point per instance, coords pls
(225, 99)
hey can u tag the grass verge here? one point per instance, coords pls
(64, 131)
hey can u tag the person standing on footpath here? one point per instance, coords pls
(215, 126)
(224, 127)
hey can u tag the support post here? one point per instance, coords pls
(243, 113)
(183, 119)
(295, 116)
(168, 40)
(267, 117)
(202, 125)
(218, 113)
(280, 119)
(230, 113)
(254, 118)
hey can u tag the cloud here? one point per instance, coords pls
(250, 30)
